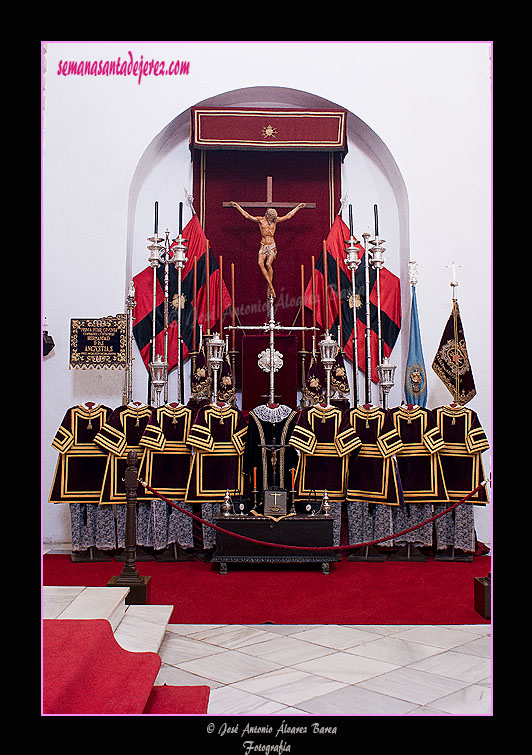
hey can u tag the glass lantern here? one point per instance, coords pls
(328, 350)
(386, 379)
(159, 374)
(216, 347)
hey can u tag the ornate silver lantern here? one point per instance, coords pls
(386, 379)
(328, 350)
(216, 346)
(159, 375)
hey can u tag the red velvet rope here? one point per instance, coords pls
(315, 548)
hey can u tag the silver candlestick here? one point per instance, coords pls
(325, 505)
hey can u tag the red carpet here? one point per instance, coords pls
(77, 656)
(431, 592)
(168, 700)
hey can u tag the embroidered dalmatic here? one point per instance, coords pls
(165, 466)
(166, 459)
(122, 433)
(461, 456)
(461, 460)
(420, 472)
(418, 458)
(270, 427)
(81, 464)
(324, 439)
(79, 476)
(218, 436)
(372, 478)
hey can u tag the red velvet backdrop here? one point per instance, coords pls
(256, 383)
(241, 176)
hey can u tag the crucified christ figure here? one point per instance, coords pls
(268, 249)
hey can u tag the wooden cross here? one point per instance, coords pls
(269, 200)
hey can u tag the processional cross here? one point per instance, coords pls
(267, 360)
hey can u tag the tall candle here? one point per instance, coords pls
(180, 218)
(156, 225)
(350, 220)
(376, 213)
(233, 332)
(254, 478)
(293, 472)
(339, 290)
(207, 287)
(313, 269)
(326, 284)
(220, 295)
(303, 306)
(194, 303)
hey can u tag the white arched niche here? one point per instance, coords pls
(370, 176)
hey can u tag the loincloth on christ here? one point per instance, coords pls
(268, 249)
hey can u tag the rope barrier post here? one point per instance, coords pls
(139, 586)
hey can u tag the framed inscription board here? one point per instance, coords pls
(99, 342)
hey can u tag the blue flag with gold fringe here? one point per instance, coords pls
(415, 375)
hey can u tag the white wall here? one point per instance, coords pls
(420, 118)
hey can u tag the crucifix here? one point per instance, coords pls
(267, 225)
(274, 448)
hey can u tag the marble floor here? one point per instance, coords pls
(332, 670)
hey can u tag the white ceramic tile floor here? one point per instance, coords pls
(332, 670)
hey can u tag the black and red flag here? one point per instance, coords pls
(390, 299)
(196, 244)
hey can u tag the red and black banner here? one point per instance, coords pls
(390, 300)
(196, 244)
